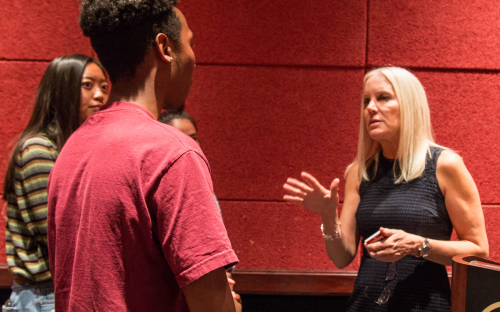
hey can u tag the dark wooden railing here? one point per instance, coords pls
(6, 278)
(271, 282)
(294, 282)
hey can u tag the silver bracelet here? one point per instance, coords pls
(330, 237)
(425, 250)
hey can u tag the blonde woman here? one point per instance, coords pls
(404, 185)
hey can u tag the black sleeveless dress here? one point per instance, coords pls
(416, 207)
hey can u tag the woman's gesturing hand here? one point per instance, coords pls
(312, 195)
(395, 245)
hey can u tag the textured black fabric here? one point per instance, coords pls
(416, 207)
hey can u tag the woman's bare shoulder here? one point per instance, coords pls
(449, 162)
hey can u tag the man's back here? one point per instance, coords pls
(132, 216)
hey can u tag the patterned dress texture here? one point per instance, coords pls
(416, 207)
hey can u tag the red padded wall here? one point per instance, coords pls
(437, 34)
(276, 235)
(277, 91)
(40, 30)
(265, 114)
(466, 118)
(31, 34)
(289, 120)
(16, 95)
(283, 32)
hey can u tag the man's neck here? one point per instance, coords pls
(140, 89)
(143, 96)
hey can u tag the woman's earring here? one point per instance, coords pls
(171, 58)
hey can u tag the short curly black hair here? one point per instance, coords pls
(122, 31)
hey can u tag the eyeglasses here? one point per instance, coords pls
(386, 291)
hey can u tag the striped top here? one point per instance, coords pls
(26, 226)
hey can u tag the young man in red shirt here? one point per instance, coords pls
(132, 221)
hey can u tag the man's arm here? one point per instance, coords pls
(193, 237)
(210, 293)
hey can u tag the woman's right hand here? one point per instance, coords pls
(312, 195)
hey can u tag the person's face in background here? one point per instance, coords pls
(183, 63)
(94, 91)
(186, 127)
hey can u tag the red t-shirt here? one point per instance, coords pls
(132, 217)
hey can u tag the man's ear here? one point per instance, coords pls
(163, 47)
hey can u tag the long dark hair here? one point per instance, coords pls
(57, 106)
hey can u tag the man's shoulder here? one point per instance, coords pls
(165, 137)
(133, 136)
(131, 124)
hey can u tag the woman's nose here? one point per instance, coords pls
(371, 107)
(99, 95)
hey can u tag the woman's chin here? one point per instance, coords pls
(377, 135)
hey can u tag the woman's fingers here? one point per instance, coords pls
(334, 187)
(374, 246)
(311, 195)
(380, 246)
(390, 249)
(385, 254)
(294, 199)
(312, 182)
(385, 258)
(299, 185)
(388, 232)
(293, 190)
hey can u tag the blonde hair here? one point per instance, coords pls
(415, 135)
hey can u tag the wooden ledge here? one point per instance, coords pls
(6, 279)
(294, 282)
(277, 282)
(270, 282)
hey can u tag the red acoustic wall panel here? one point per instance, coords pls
(260, 125)
(320, 32)
(439, 34)
(277, 90)
(466, 118)
(40, 30)
(276, 236)
(17, 93)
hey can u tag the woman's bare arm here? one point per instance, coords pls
(465, 211)
(316, 198)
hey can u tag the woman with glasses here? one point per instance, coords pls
(72, 88)
(404, 185)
